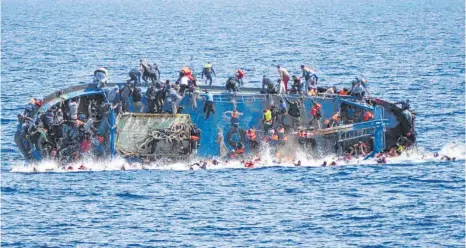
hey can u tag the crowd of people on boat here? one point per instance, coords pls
(67, 134)
(63, 132)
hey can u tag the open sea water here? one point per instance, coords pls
(410, 49)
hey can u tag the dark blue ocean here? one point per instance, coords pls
(410, 49)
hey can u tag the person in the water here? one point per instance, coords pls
(207, 72)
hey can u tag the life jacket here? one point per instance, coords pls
(207, 68)
(187, 71)
(302, 134)
(194, 138)
(240, 73)
(368, 116)
(400, 149)
(343, 93)
(251, 134)
(275, 137)
(312, 92)
(268, 116)
(249, 164)
(239, 151)
(315, 110)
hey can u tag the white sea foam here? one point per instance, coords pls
(418, 155)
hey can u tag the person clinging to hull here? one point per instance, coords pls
(207, 72)
(208, 105)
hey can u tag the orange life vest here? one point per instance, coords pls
(194, 138)
(187, 71)
(315, 109)
(241, 73)
(368, 116)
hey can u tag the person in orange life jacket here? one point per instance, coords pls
(316, 114)
(271, 137)
(239, 149)
(284, 77)
(234, 116)
(302, 136)
(368, 116)
(252, 138)
(343, 92)
(240, 75)
(333, 121)
(249, 164)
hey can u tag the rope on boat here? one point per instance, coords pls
(176, 132)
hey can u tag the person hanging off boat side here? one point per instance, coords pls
(209, 104)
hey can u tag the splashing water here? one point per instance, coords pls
(418, 155)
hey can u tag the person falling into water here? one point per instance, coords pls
(208, 71)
